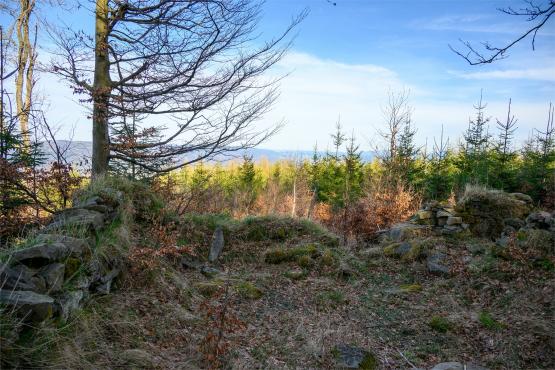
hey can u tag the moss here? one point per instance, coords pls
(411, 288)
(369, 362)
(72, 265)
(209, 288)
(489, 322)
(248, 290)
(440, 324)
(305, 261)
(390, 249)
(282, 254)
(331, 298)
(328, 258)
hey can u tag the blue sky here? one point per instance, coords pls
(347, 57)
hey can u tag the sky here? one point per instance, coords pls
(347, 58)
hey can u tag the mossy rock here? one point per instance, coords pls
(541, 240)
(405, 251)
(209, 288)
(282, 254)
(248, 290)
(72, 265)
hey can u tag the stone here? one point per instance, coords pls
(442, 214)
(523, 197)
(32, 306)
(12, 279)
(42, 254)
(217, 244)
(189, 262)
(449, 366)
(53, 276)
(137, 358)
(69, 302)
(453, 220)
(437, 264)
(105, 284)
(442, 221)
(354, 358)
(451, 230)
(77, 218)
(515, 223)
(539, 220)
(406, 230)
(424, 215)
(95, 203)
(210, 272)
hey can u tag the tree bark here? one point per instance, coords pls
(101, 92)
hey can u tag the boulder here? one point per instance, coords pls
(538, 220)
(442, 213)
(189, 262)
(105, 284)
(210, 272)
(69, 302)
(217, 244)
(12, 279)
(437, 264)
(485, 210)
(354, 358)
(32, 306)
(515, 223)
(95, 203)
(523, 197)
(45, 253)
(453, 220)
(53, 276)
(424, 215)
(406, 230)
(77, 218)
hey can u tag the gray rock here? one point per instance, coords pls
(217, 244)
(372, 252)
(406, 230)
(437, 264)
(442, 221)
(449, 366)
(12, 279)
(41, 254)
(33, 306)
(69, 302)
(515, 223)
(104, 286)
(95, 203)
(443, 214)
(189, 262)
(353, 357)
(538, 220)
(77, 218)
(453, 220)
(45, 253)
(451, 230)
(210, 272)
(523, 197)
(53, 276)
(402, 249)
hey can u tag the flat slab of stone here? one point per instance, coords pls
(77, 218)
(350, 357)
(53, 276)
(437, 264)
(453, 220)
(15, 279)
(33, 306)
(45, 253)
(217, 244)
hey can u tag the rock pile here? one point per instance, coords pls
(53, 276)
(443, 218)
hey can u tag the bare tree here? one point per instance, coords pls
(506, 132)
(190, 67)
(536, 13)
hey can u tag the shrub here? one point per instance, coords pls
(440, 324)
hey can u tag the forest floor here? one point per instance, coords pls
(287, 301)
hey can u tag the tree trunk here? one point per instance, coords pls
(101, 92)
(25, 60)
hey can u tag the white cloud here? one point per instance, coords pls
(539, 74)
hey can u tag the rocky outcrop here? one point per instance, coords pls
(55, 274)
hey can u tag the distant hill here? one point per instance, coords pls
(80, 152)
